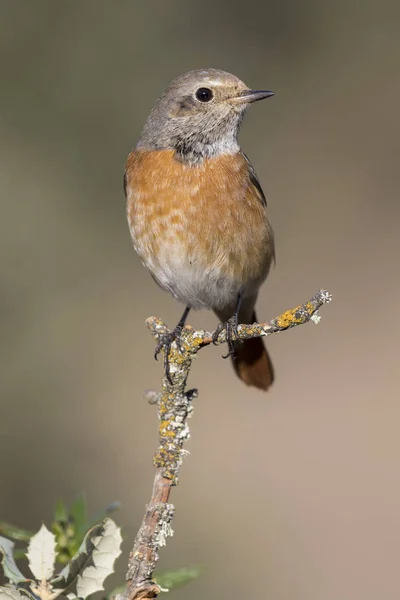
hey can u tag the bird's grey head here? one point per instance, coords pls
(199, 115)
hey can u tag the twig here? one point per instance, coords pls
(175, 407)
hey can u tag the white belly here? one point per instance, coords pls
(190, 281)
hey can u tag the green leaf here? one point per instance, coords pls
(78, 512)
(10, 569)
(60, 512)
(172, 579)
(107, 548)
(10, 593)
(19, 553)
(42, 554)
(82, 558)
(15, 533)
(93, 562)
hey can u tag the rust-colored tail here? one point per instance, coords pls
(252, 362)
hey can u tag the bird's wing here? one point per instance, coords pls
(255, 181)
(125, 184)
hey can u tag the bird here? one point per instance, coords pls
(197, 213)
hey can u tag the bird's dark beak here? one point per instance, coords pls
(248, 96)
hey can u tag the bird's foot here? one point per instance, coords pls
(231, 331)
(165, 344)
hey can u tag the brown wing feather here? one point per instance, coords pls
(255, 181)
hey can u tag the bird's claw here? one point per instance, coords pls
(165, 344)
(231, 331)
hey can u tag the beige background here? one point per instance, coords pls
(292, 495)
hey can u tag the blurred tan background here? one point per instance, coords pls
(292, 495)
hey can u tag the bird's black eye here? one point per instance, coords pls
(204, 94)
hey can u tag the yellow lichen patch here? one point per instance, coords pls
(251, 330)
(167, 461)
(195, 341)
(165, 403)
(310, 308)
(164, 456)
(175, 356)
(290, 317)
(165, 432)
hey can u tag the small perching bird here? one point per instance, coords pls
(197, 213)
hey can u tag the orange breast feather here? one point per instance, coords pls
(212, 213)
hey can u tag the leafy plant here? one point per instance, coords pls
(84, 574)
(69, 526)
(85, 547)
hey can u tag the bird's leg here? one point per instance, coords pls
(165, 342)
(231, 328)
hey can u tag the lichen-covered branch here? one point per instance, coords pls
(175, 407)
